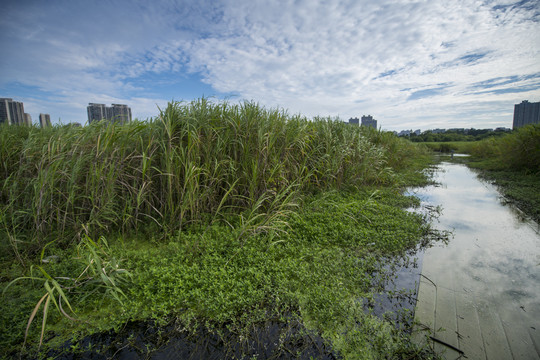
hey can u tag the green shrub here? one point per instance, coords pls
(519, 150)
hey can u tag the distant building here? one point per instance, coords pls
(409, 132)
(27, 119)
(369, 121)
(405, 133)
(120, 113)
(526, 113)
(96, 112)
(354, 121)
(11, 112)
(45, 120)
(116, 113)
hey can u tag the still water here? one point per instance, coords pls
(486, 280)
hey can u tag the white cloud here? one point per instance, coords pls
(335, 54)
(344, 58)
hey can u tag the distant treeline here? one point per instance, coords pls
(457, 135)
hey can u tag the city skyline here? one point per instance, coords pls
(13, 113)
(413, 64)
(524, 113)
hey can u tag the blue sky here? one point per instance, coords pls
(409, 63)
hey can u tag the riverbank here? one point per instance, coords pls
(211, 218)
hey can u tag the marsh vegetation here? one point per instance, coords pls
(211, 215)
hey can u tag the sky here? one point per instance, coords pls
(411, 64)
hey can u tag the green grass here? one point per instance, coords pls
(224, 215)
(517, 151)
(521, 189)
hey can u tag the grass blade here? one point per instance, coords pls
(45, 312)
(32, 315)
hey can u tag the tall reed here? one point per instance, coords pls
(195, 161)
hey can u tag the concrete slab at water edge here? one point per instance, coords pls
(479, 296)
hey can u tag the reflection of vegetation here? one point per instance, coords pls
(226, 216)
(447, 147)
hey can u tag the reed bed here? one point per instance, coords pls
(201, 161)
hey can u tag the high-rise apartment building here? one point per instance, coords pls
(354, 121)
(526, 113)
(116, 113)
(369, 121)
(120, 113)
(27, 119)
(11, 112)
(96, 112)
(45, 120)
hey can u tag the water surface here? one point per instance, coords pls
(491, 266)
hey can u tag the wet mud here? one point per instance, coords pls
(147, 340)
